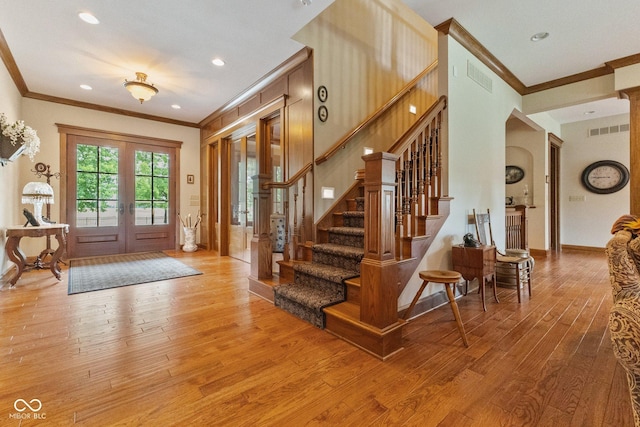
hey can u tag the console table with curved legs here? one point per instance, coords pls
(15, 254)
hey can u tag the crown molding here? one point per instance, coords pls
(105, 109)
(10, 64)
(575, 78)
(461, 35)
(624, 62)
(298, 58)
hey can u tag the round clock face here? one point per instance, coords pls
(605, 177)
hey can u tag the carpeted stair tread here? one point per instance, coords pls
(327, 272)
(310, 296)
(347, 236)
(339, 250)
(321, 283)
(353, 214)
(351, 231)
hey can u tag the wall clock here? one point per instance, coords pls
(605, 177)
(323, 113)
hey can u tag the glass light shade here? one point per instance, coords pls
(37, 193)
(40, 191)
(140, 89)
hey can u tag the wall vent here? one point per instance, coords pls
(479, 77)
(609, 129)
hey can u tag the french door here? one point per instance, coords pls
(243, 166)
(121, 196)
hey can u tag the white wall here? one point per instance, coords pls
(588, 222)
(477, 128)
(9, 105)
(43, 116)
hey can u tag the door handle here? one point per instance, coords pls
(121, 209)
(131, 208)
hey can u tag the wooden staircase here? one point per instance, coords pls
(404, 209)
(344, 319)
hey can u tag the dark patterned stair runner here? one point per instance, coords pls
(320, 283)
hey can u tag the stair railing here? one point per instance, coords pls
(299, 229)
(419, 173)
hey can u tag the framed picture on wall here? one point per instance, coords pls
(513, 174)
(190, 179)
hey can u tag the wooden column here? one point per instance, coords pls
(379, 272)
(634, 149)
(261, 253)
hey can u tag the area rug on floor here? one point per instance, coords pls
(93, 274)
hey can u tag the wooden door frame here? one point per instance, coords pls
(65, 130)
(221, 183)
(555, 143)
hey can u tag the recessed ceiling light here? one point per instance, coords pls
(86, 87)
(88, 18)
(539, 36)
(586, 113)
(176, 107)
(217, 61)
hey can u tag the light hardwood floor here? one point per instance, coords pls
(202, 350)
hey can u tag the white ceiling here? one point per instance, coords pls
(175, 41)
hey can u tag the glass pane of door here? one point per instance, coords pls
(242, 166)
(97, 186)
(151, 188)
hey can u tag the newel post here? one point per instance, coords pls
(378, 270)
(261, 252)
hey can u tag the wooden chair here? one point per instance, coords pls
(510, 270)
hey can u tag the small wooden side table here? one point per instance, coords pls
(15, 254)
(475, 263)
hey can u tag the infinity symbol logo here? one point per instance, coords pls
(21, 408)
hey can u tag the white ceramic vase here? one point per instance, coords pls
(189, 239)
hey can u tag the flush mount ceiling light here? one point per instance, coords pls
(539, 36)
(88, 18)
(306, 2)
(139, 88)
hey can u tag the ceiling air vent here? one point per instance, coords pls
(479, 77)
(609, 129)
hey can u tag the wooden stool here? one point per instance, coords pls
(448, 279)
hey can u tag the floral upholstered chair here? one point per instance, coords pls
(623, 252)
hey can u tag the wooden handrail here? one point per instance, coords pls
(400, 144)
(295, 178)
(345, 139)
